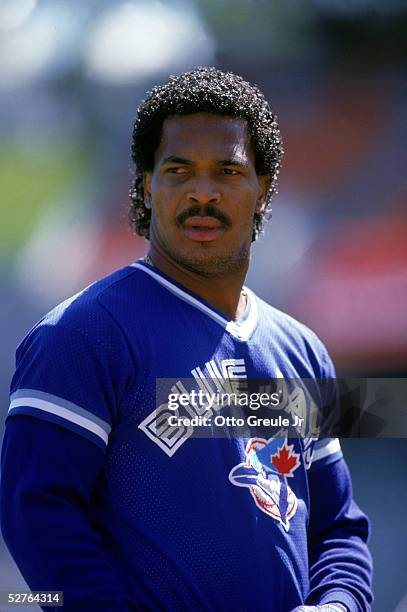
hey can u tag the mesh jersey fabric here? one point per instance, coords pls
(188, 520)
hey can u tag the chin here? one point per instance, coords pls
(214, 265)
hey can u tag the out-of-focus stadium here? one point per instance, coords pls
(334, 255)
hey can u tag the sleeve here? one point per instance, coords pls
(65, 399)
(70, 378)
(48, 474)
(339, 560)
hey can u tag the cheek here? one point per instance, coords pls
(246, 203)
(159, 200)
(164, 196)
(163, 213)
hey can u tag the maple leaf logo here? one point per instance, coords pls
(286, 460)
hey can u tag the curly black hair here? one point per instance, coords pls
(203, 90)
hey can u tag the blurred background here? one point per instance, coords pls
(72, 73)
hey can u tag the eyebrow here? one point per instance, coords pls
(172, 159)
(233, 161)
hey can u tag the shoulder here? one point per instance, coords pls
(297, 338)
(287, 325)
(75, 366)
(90, 317)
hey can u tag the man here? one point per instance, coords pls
(100, 497)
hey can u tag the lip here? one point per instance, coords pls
(203, 229)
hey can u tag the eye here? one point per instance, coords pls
(177, 170)
(230, 171)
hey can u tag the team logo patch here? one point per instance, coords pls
(268, 465)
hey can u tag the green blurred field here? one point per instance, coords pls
(30, 184)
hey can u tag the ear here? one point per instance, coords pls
(264, 186)
(147, 189)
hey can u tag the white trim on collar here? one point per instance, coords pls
(241, 331)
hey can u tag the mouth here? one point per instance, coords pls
(203, 229)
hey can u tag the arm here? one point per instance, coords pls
(339, 560)
(48, 474)
(65, 398)
(340, 565)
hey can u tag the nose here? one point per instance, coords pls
(203, 190)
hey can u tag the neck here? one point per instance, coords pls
(223, 293)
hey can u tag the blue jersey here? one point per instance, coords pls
(183, 523)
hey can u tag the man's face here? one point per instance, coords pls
(204, 192)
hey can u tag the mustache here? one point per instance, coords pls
(203, 211)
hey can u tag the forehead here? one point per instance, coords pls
(203, 135)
